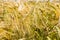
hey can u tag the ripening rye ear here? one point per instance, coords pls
(57, 13)
(24, 9)
(56, 9)
(1, 10)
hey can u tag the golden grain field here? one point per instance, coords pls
(29, 20)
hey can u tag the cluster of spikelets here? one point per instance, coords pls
(35, 21)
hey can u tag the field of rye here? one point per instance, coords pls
(29, 20)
